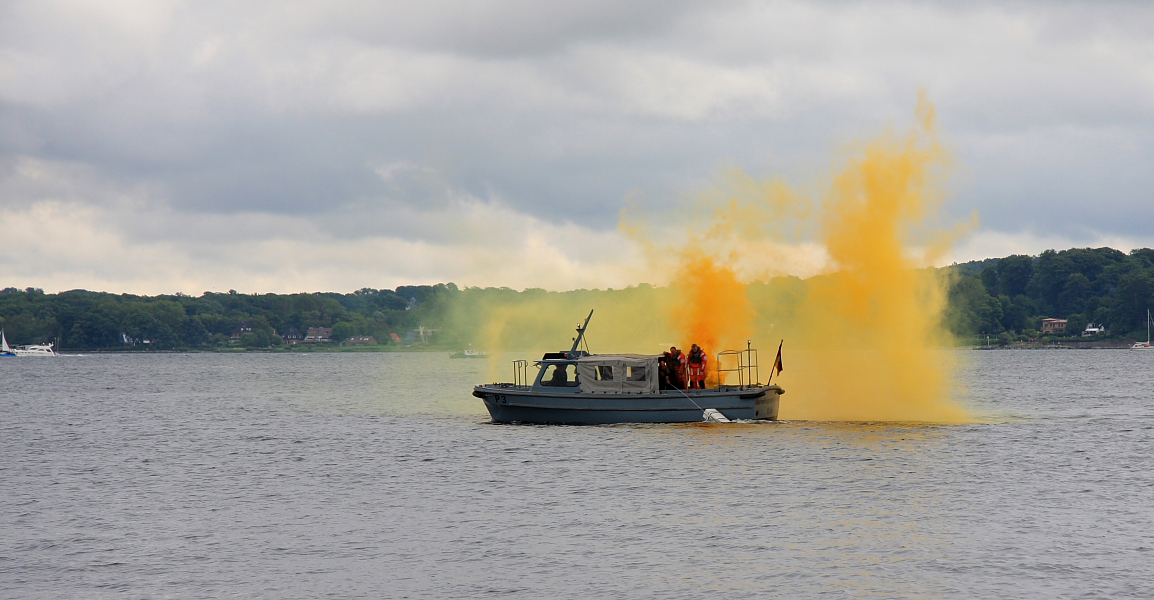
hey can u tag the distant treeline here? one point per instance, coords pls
(1006, 297)
(80, 319)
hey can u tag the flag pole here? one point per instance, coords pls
(776, 363)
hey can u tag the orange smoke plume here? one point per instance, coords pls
(711, 308)
(868, 333)
(864, 338)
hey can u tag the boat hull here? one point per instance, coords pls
(509, 404)
(19, 352)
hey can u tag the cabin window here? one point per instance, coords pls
(558, 376)
(636, 373)
(604, 373)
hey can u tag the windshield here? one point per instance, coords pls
(559, 376)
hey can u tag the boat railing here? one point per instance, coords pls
(521, 373)
(743, 362)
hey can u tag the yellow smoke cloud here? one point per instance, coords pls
(870, 332)
(863, 340)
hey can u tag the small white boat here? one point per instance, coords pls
(1144, 345)
(4, 349)
(470, 353)
(35, 350)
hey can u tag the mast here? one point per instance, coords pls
(581, 332)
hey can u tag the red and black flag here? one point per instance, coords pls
(777, 362)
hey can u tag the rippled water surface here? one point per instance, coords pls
(379, 475)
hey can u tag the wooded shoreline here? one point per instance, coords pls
(1003, 298)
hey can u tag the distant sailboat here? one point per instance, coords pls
(1144, 345)
(4, 349)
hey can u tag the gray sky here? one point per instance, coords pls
(155, 147)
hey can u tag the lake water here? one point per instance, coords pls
(379, 475)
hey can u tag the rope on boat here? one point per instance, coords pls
(711, 415)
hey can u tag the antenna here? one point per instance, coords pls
(581, 332)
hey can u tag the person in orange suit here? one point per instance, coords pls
(695, 365)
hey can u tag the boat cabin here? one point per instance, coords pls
(600, 374)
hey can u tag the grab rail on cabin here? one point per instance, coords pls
(746, 367)
(521, 373)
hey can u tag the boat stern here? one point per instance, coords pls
(765, 407)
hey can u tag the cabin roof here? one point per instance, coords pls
(594, 358)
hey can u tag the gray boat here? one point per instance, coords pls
(575, 387)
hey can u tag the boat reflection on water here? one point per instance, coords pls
(579, 388)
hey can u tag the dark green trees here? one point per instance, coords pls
(82, 319)
(1082, 285)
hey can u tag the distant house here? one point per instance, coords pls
(292, 336)
(318, 335)
(241, 328)
(1092, 329)
(361, 340)
(1053, 325)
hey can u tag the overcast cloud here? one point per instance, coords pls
(283, 146)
